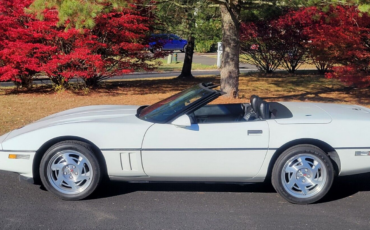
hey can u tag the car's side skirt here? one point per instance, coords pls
(189, 179)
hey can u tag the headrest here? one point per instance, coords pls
(254, 99)
(264, 111)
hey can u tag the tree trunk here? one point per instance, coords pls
(230, 16)
(188, 61)
(26, 82)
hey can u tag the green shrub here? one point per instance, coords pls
(204, 46)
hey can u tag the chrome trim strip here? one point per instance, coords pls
(206, 149)
(18, 151)
(22, 156)
(352, 148)
(362, 153)
(120, 150)
(192, 149)
(149, 179)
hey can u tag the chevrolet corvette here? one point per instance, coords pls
(298, 147)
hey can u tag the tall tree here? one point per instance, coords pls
(80, 14)
(29, 46)
(23, 42)
(178, 17)
(231, 15)
(181, 17)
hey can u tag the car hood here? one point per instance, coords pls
(91, 113)
(99, 113)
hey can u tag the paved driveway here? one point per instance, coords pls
(183, 206)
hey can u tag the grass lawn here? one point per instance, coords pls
(23, 107)
(178, 66)
(244, 59)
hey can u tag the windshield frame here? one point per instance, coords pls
(192, 106)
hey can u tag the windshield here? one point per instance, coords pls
(175, 37)
(165, 110)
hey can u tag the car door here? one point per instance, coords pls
(167, 42)
(176, 43)
(212, 151)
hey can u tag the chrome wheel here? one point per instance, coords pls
(304, 175)
(69, 172)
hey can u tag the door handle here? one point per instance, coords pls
(255, 132)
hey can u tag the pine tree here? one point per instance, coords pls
(79, 14)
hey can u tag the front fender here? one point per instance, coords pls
(2, 139)
(103, 135)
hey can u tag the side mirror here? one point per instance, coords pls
(183, 121)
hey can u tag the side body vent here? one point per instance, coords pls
(129, 161)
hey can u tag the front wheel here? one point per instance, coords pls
(303, 174)
(70, 170)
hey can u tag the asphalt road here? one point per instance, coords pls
(244, 68)
(119, 205)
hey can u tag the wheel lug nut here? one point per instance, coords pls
(70, 177)
(306, 170)
(76, 173)
(303, 181)
(65, 173)
(74, 166)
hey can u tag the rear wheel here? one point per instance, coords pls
(184, 49)
(303, 174)
(70, 170)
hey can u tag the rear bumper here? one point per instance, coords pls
(22, 165)
(351, 163)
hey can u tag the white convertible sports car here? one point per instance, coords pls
(300, 147)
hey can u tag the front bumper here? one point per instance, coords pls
(26, 179)
(22, 165)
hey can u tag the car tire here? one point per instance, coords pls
(184, 49)
(70, 170)
(303, 174)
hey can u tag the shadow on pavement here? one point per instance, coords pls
(116, 188)
(347, 186)
(342, 187)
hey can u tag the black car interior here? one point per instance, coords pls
(258, 109)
